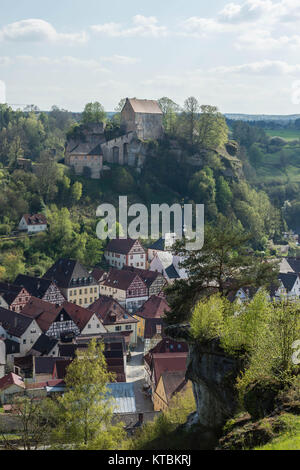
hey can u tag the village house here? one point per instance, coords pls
(74, 281)
(13, 297)
(160, 246)
(33, 223)
(59, 321)
(125, 252)
(45, 346)
(99, 275)
(125, 287)
(154, 308)
(142, 117)
(115, 318)
(154, 281)
(43, 289)
(85, 159)
(289, 287)
(48, 368)
(10, 386)
(166, 356)
(20, 328)
(170, 383)
(115, 351)
(169, 266)
(45, 389)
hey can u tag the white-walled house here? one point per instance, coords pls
(125, 252)
(168, 265)
(58, 320)
(289, 287)
(19, 328)
(33, 223)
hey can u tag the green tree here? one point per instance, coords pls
(191, 112)
(37, 420)
(86, 407)
(13, 263)
(170, 111)
(212, 128)
(93, 113)
(76, 191)
(224, 195)
(225, 263)
(203, 186)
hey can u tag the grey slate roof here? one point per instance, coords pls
(14, 323)
(44, 344)
(124, 397)
(288, 280)
(35, 286)
(66, 270)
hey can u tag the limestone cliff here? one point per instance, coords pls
(213, 374)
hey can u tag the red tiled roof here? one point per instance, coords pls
(168, 362)
(97, 274)
(45, 313)
(120, 279)
(49, 383)
(109, 311)
(11, 379)
(145, 106)
(35, 219)
(173, 382)
(122, 246)
(167, 345)
(155, 307)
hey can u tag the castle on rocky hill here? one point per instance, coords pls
(141, 120)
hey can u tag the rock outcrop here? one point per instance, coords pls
(213, 374)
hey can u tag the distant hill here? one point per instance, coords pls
(262, 117)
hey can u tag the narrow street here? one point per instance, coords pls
(135, 373)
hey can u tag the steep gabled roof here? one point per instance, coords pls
(98, 273)
(65, 270)
(155, 307)
(145, 106)
(44, 344)
(294, 264)
(14, 323)
(11, 379)
(46, 313)
(120, 279)
(168, 362)
(288, 280)
(109, 311)
(158, 245)
(35, 286)
(173, 382)
(35, 219)
(43, 312)
(121, 245)
(147, 276)
(10, 292)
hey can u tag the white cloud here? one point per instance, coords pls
(120, 60)
(265, 67)
(256, 23)
(142, 26)
(37, 30)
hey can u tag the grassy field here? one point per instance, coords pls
(290, 440)
(287, 134)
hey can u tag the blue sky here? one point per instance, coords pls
(240, 55)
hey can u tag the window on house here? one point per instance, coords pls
(118, 328)
(24, 341)
(89, 327)
(128, 327)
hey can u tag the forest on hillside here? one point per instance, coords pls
(244, 173)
